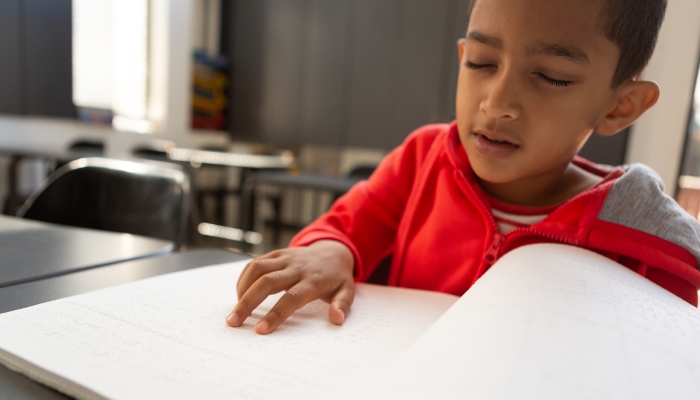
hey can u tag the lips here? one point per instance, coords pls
(494, 145)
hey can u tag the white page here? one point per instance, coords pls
(556, 322)
(166, 337)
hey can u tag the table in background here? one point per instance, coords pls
(17, 154)
(336, 185)
(249, 164)
(32, 250)
(18, 387)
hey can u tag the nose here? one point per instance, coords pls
(501, 101)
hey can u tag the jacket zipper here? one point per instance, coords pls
(491, 255)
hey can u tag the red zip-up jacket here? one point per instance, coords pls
(424, 207)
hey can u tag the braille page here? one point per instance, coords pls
(166, 337)
(555, 322)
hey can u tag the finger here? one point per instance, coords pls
(295, 298)
(271, 255)
(268, 256)
(256, 269)
(340, 304)
(268, 284)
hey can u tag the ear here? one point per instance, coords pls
(634, 99)
(461, 44)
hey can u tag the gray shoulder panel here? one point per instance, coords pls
(637, 200)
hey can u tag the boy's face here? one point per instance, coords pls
(534, 83)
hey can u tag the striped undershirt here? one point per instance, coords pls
(506, 222)
(510, 216)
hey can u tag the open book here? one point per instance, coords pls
(547, 321)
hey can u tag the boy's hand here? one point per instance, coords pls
(322, 270)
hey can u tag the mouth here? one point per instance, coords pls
(494, 145)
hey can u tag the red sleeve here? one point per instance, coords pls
(367, 217)
(664, 263)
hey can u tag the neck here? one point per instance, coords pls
(547, 189)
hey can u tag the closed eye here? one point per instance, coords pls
(471, 65)
(555, 82)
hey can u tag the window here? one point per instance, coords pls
(689, 182)
(110, 59)
(691, 161)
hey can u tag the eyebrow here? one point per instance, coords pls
(570, 52)
(485, 39)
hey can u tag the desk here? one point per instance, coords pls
(248, 163)
(337, 185)
(32, 250)
(48, 152)
(15, 386)
(225, 159)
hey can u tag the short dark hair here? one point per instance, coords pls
(633, 26)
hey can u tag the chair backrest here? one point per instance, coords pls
(142, 198)
(94, 147)
(362, 171)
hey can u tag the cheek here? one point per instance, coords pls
(582, 109)
(560, 131)
(569, 114)
(463, 108)
(560, 145)
(467, 97)
(461, 92)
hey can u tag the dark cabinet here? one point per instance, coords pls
(404, 63)
(342, 72)
(36, 57)
(49, 64)
(10, 66)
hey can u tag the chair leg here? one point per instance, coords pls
(277, 207)
(247, 217)
(220, 199)
(12, 202)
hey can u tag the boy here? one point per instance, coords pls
(537, 77)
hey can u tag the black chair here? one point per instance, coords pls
(362, 171)
(142, 198)
(358, 172)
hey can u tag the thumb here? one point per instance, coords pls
(341, 302)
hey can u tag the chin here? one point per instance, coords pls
(493, 175)
(490, 170)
